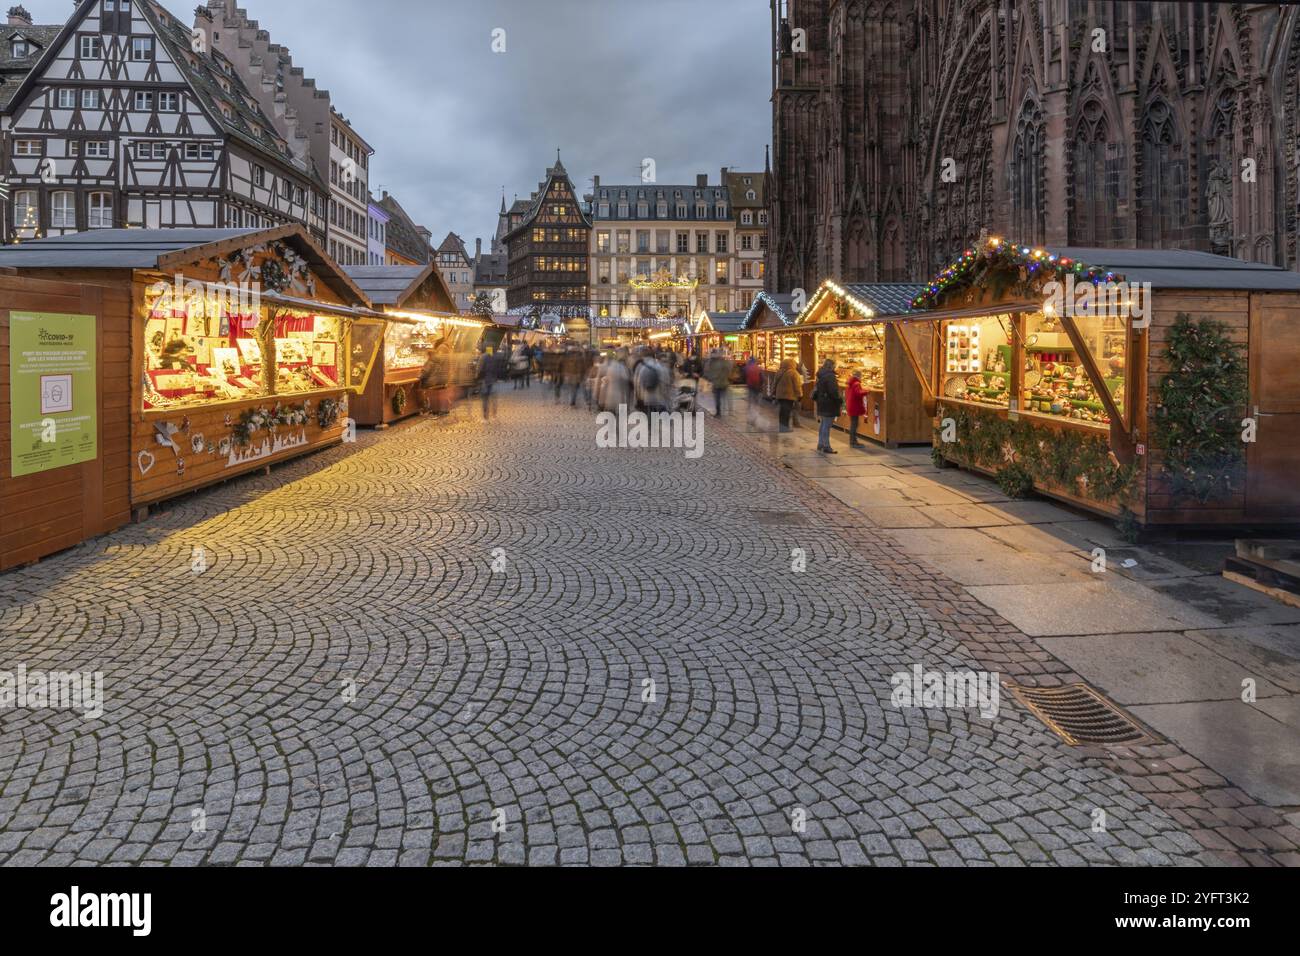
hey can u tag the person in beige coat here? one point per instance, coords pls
(787, 389)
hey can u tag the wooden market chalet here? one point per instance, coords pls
(128, 118)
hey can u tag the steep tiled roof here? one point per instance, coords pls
(403, 234)
(221, 92)
(491, 269)
(534, 204)
(453, 244)
(12, 71)
(652, 193)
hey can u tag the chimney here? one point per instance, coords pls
(478, 248)
(596, 182)
(19, 17)
(701, 180)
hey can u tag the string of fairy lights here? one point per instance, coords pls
(997, 253)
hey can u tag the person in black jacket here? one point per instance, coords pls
(830, 404)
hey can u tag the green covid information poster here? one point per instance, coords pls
(53, 399)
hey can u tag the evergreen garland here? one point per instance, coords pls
(1023, 455)
(1199, 409)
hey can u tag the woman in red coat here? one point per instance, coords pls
(855, 398)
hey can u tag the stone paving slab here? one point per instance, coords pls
(1241, 741)
(1108, 605)
(1005, 567)
(1156, 668)
(1272, 651)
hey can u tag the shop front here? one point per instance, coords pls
(1155, 386)
(246, 347)
(866, 328)
(765, 337)
(424, 328)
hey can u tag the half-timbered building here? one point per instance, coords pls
(128, 118)
(303, 114)
(548, 246)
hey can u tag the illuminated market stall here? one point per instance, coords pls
(423, 324)
(766, 338)
(722, 330)
(246, 345)
(1160, 387)
(866, 328)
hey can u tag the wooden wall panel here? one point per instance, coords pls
(47, 512)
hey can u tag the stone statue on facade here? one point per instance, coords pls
(1218, 198)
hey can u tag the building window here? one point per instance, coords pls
(762, 218)
(1163, 208)
(63, 211)
(643, 210)
(98, 149)
(721, 210)
(101, 211)
(701, 211)
(90, 99)
(26, 211)
(67, 99)
(1099, 182)
(27, 147)
(90, 48)
(602, 242)
(141, 49)
(1028, 216)
(701, 242)
(19, 48)
(169, 102)
(681, 210)
(622, 210)
(143, 101)
(746, 243)
(746, 218)
(722, 242)
(259, 176)
(750, 194)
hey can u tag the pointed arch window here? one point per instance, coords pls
(1025, 171)
(1163, 210)
(1100, 187)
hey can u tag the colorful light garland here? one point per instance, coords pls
(999, 254)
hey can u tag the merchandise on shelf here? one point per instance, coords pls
(193, 359)
(1056, 382)
(977, 361)
(855, 349)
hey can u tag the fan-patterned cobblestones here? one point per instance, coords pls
(506, 715)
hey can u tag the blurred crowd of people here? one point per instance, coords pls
(649, 379)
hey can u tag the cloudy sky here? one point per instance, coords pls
(610, 82)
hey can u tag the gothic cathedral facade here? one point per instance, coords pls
(903, 129)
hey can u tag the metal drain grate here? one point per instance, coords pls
(1080, 716)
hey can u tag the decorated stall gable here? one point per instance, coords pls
(1006, 267)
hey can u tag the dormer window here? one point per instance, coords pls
(20, 48)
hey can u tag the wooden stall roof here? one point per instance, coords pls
(1185, 269)
(780, 304)
(168, 249)
(722, 322)
(395, 285)
(885, 298)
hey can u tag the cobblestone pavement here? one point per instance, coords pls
(523, 695)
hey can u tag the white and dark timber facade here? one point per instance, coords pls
(127, 119)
